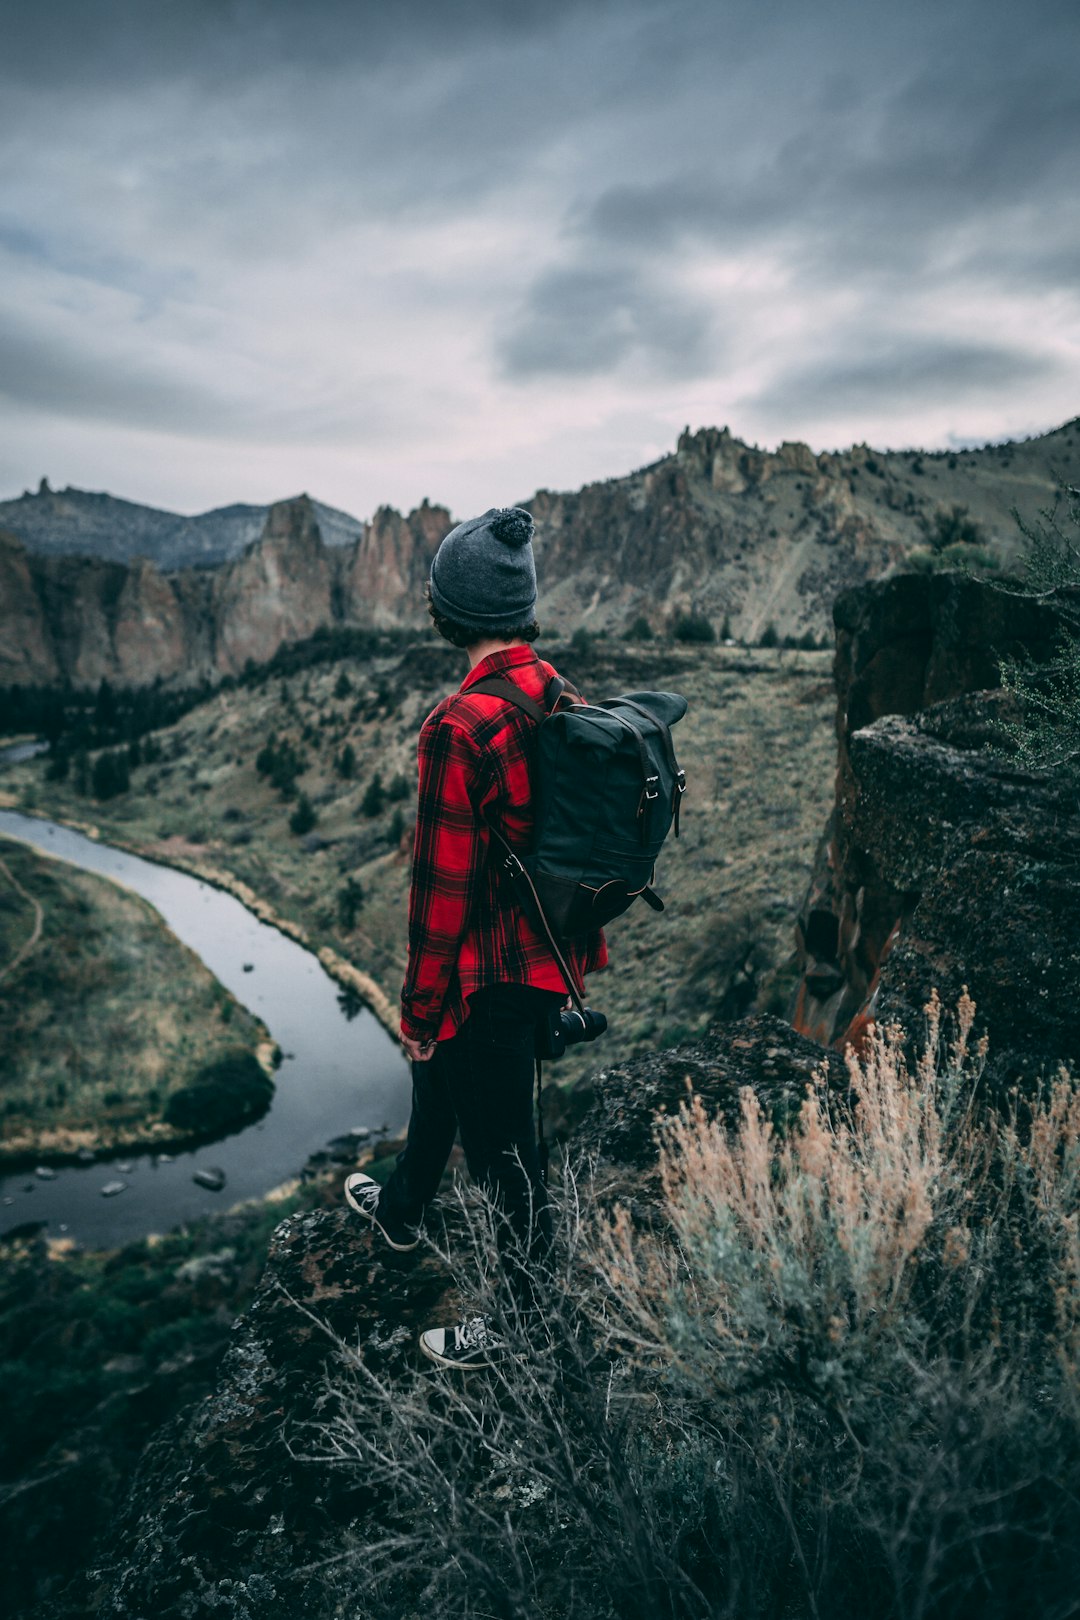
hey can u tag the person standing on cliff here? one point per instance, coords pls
(480, 976)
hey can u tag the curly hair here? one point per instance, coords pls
(465, 635)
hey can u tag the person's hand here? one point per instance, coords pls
(418, 1051)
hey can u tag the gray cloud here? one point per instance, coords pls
(903, 372)
(82, 376)
(255, 220)
(581, 321)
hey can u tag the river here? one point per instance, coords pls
(338, 1074)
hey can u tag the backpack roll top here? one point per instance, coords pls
(608, 787)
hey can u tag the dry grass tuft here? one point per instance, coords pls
(834, 1372)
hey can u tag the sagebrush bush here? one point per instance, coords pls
(826, 1373)
(1047, 736)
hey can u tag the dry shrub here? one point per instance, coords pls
(830, 1373)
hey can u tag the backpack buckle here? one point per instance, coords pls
(680, 781)
(655, 794)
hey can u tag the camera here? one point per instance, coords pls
(564, 1027)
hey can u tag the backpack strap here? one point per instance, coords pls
(499, 686)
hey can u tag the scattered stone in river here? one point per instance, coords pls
(124, 1168)
(164, 1158)
(213, 1178)
(45, 1172)
(360, 1133)
(85, 1155)
(8, 1201)
(111, 1188)
(249, 967)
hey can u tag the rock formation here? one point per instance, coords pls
(719, 528)
(942, 863)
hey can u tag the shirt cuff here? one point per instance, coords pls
(414, 1031)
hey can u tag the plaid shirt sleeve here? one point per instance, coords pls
(449, 855)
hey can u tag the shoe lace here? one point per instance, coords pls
(474, 1334)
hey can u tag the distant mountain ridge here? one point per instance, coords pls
(86, 523)
(749, 539)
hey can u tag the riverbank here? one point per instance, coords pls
(184, 856)
(108, 1023)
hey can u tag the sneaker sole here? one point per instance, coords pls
(401, 1248)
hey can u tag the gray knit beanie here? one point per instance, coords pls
(483, 575)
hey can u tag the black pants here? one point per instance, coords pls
(481, 1081)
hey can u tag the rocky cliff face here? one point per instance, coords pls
(719, 528)
(942, 863)
(82, 523)
(82, 620)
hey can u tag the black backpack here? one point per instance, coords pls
(606, 791)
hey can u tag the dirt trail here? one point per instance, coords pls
(39, 918)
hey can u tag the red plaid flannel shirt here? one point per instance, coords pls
(465, 930)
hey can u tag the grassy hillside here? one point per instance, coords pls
(235, 776)
(105, 1017)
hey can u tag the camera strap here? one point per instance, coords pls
(514, 867)
(541, 1140)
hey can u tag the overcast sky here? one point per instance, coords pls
(469, 248)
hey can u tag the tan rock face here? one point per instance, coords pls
(26, 651)
(383, 576)
(280, 590)
(150, 635)
(719, 528)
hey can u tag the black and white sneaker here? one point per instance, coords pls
(465, 1345)
(362, 1194)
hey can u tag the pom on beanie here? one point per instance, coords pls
(513, 526)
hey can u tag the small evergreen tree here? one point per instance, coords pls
(374, 799)
(350, 898)
(345, 763)
(770, 636)
(303, 817)
(396, 829)
(342, 686)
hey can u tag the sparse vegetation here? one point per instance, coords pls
(757, 741)
(836, 1370)
(1047, 736)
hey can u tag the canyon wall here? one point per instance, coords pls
(748, 538)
